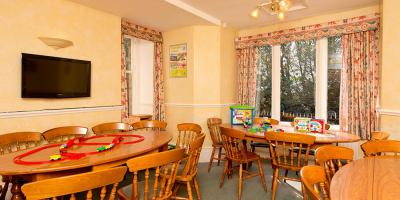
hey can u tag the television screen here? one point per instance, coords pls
(53, 77)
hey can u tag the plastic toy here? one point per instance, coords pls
(55, 157)
(241, 112)
(301, 124)
(279, 130)
(317, 125)
(65, 155)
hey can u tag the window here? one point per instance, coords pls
(264, 82)
(297, 79)
(300, 79)
(139, 58)
(334, 75)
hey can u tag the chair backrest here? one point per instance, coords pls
(381, 148)
(215, 132)
(192, 160)
(110, 127)
(282, 153)
(165, 165)
(332, 158)
(60, 134)
(17, 141)
(150, 124)
(379, 135)
(232, 141)
(70, 185)
(314, 182)
(187, 132)
(131, 119)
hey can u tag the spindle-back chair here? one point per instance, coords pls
(70, 185)
(282, 154)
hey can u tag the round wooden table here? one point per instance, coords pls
(369, 178)
(329, 137)
(154, 140)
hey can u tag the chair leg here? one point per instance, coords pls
(211, 159)
(274, 183)
(3, 192)
(196, 186)
(219, 155)
(221, 183)
(175, 189)
(260, 170)
(240, 181)
(189, 190)
(286, 174)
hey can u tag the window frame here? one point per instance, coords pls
(321, 82)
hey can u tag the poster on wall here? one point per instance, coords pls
(178, 60)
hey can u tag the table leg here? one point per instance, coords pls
(16, 189)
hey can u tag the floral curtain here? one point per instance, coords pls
(247, 74)
(128, 28)
(158, 89)
(359, 83)
(316, 31)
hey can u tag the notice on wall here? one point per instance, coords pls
(178, 60)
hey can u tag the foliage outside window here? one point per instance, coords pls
(298, 79)
(334, 76)
(264, 82)
(298, 83)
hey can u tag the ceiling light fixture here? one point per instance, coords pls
(275, 7)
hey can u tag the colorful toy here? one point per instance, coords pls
(246, 122)
(55, 157)
(317, 125)
(65, 155)
(279, 130)
(239, 113)
(302, 124)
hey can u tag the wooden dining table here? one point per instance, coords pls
(154, 140)
(373, 178)
(328, 137)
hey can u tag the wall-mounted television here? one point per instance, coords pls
(54, 77)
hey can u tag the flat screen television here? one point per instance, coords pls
(54, 77)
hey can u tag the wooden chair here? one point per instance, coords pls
(258, 120)
(110, 127)
(332, 158)
(379, 135)
(236, 152)
(381, 148)
(189, 173)
(70, 185)
(12, 142)
(315, 185)
(151, 124)
(165, 165)
(187, 133)
(215, 133)
(64, 133)
(131, 119)
(283, 156)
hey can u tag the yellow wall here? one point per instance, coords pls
(310, 20)
(96, 37)
(390, 63)
(211, 75)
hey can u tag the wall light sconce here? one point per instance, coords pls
(56, 43)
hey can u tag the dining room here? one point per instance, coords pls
(186, 99)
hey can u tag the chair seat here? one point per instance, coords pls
(259, 144)
(250, 156)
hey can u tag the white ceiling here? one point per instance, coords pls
(161, 15)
